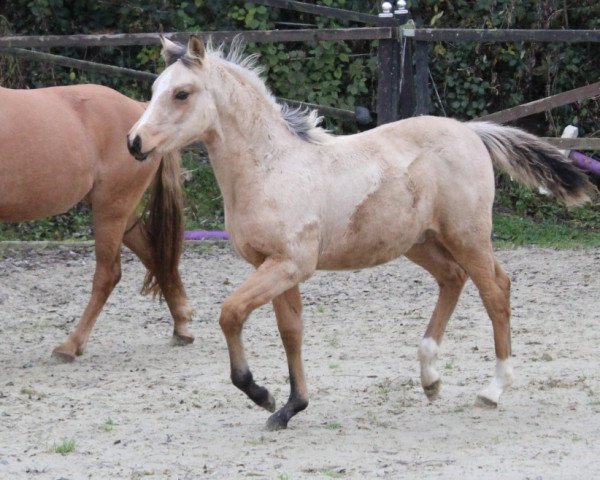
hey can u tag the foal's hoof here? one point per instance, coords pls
(62, 356)
(269, 404)
(433, 391)
(277, 421)
(181, 340)
(485, 403)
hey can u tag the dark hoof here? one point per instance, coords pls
(63, 357)
(433, 391)
(181, 340)
(269, 404)
(485, 403)
(277, 421)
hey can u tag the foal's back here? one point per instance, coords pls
(53, 144)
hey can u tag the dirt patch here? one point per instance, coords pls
(135, 407)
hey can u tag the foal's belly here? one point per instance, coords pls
(367, 248)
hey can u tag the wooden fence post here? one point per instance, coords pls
(388, 94)
(406, 72)
(422, 97)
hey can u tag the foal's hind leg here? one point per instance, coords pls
(174, 294)
(451, 278)
(108, 235)
(494, 289)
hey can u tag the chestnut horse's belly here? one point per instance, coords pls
(41, 176)
(47, 156)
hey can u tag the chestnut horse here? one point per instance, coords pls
(298, 199)
(61, 145)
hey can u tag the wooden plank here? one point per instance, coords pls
(325, 111)
(79, 64)
(504, 35)
(330, 12)
(388, 93)
(258, 36)
(302, 35)
(348, 115)
(588, 143)
(422, 97)
(544, 104)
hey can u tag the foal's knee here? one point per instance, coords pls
(232, 318)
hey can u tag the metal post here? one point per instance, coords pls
(388, 70)
(406, 74)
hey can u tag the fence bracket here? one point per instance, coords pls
(406, 30)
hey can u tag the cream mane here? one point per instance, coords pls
(301, 121)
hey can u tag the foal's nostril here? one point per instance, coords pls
(135, 147)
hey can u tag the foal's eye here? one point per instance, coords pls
(182, 95)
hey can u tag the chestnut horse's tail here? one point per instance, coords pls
(534, 162)
(163, 226)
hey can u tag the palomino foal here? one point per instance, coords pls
(298, 199)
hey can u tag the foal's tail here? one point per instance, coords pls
(534, 162)
(164, 226)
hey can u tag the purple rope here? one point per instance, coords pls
(205, 234)
(587, 163)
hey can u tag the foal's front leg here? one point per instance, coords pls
(288, 310)
(270, 280)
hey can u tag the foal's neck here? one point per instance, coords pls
(252, 133)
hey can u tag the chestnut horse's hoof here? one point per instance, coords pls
(62, 356)
(277, 421)
(433, 391)
(486, 403)
(181, 340)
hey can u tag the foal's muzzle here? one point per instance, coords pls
(135, 148)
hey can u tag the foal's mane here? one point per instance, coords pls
(301, 121)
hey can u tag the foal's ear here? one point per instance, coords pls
(195, 48)
(171, 51)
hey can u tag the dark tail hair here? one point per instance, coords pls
(534, 162)
(163, 226)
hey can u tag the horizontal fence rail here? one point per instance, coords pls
(305, 35)
(502, 35)
(142, 39)
(349, 115)
(330, 12)
(586, 143)
(537, 106)
(79, 64)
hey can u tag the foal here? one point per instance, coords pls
(298, 199)
(61, 145)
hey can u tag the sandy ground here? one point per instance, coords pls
(139, 408)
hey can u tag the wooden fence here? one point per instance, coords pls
(403, 81)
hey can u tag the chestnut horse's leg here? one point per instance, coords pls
(451, 278)
(288, 310)
(108, 233)
(270, 280)
(174, 294)
(494, 289)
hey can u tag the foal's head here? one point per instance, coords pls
(182, 109)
